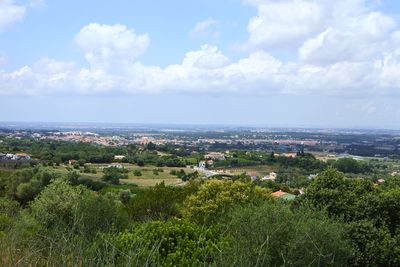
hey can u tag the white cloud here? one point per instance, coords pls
(357, 39)
(285, 23)
(344, 48)
(205, 29)
(108, 46)
(10, 13)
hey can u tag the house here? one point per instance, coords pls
(119, 157)
(72, 162)
(202, 165)
(380, 181)
(312, 176)
(18, 156)
(254, 176)
(215, 156)
(283, 195)
(270, 177)
(115, 165)
(22, 156)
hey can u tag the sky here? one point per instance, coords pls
(272, 63)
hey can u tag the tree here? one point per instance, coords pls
(215, 198)
(372, 246)
(157, 203)
(113, 174)
(55, 205)
(330, 190)
(349, 165)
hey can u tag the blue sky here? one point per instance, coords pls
(280, 63)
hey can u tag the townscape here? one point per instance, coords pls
(158, 179)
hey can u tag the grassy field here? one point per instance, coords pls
(260, 169)
(148, 177)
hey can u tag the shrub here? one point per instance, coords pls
(171, 243)
(159, 202)
(215, 198)
(273, 235)
(137, 173)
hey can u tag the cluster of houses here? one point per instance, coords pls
(256, 177)
(215, 156)
(14, 157)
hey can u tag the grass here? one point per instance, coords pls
(148, 178)
(261, 169)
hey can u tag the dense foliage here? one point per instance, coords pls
(77, 215)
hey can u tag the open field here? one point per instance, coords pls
(148, 177)
(260, 169)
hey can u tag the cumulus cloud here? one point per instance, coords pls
(343, 48)
(285, 23)
(110, 45)
(205, 29)
(357, 39)
(10, 13)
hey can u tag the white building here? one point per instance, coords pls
(270, 177)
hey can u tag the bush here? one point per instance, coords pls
(274, 235)
(113, 175)
(159, 202)
(137, 173)
(215, 198)
(171, 243)
(55, 205)
(8, 211)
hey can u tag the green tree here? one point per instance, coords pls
(274, 235)
(160, 202)
(215, 198)
(113, 174)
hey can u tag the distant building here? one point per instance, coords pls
(72, 161)
(215, 156)
(380, 181)
(210, 162)
(202, 165)
(270, 177)
(22, 156)
(115, 165)
(312, 176)
(254, 176)
(17, 156)
(283, 195)
(119, 157)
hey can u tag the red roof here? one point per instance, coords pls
(279, 193)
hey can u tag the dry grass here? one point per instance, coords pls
(148, 178)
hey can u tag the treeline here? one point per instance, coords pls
(304, 161)
(58, 152)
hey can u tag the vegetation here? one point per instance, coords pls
(94, 215)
